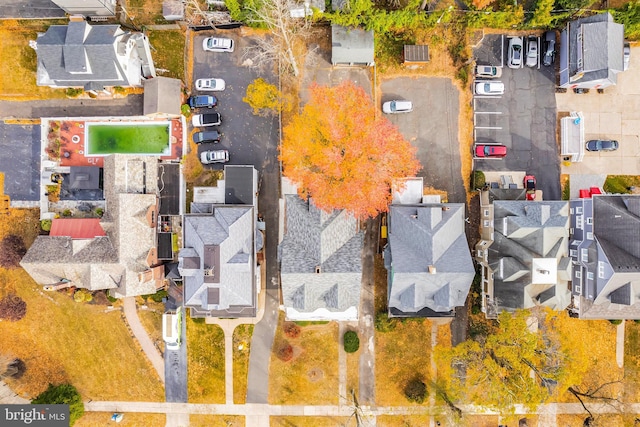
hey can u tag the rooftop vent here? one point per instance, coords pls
(208, 271)
(432, 269)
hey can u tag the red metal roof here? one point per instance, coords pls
(585, 194)
(595, 190)
(77, 228)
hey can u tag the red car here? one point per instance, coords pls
(530, 186)
(497, 151)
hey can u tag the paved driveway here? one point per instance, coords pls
(614, 114)
(20, 161)
(523, 119)
(432, 127)
(128, 106)
(175, 369)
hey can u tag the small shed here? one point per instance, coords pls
(572, 136)
(415, 54)
(173, 10)
(351, 46)
(162, 97)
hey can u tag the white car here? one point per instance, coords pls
(214, 156)
(395, 107)
(210, 84)
(515, 52)
(489, 88)
(218, 44)
(532, 51)
(488, 72)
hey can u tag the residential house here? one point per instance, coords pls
(90, 8)
(93, 57)
(427, 258)
(591, 52)
(118, 252)
(218, 262)
(523, 254)
(320, 262)
(605, 253)
(351, 46)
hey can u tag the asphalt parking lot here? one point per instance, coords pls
(523, 119)
(251, 140)
(21, 161)
(432, 127)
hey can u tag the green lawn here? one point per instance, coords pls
(128, 139)
(621, 183)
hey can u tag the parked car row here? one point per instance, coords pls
(210, 120)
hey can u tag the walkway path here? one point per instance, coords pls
(259, 410)
(8, 397)
(131, 313)
(620, 345)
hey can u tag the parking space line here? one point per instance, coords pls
(488, 112)
(487, 96)
(489, 127)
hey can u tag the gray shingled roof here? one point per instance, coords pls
(228, 232)
(162, 95)
(330, 242)
(423, 236)
(79, 48)
(602, 44)
(525, 230)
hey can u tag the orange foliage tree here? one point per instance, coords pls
(337, 151)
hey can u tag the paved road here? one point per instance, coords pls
(129, 106)
(131, 313)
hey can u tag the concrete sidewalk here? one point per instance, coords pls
(131, 313)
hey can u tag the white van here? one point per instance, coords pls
(171, 329)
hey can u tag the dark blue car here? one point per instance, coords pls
(201, 101)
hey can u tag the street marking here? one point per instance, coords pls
(488, 96)
(488, 127)
(488, 112)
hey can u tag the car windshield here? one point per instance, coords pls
(487, 150)
(531, 184)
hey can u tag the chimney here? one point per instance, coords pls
(432, 269)
(317, 269)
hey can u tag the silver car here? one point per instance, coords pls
(394, 107)
(214, 156)
(532, 51)
(218, 44)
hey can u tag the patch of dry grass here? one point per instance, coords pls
(145, 12)
(22, 222)
(200, 420)
(241, 351)
(151, 320)
(205, 362)
(610, 420)
(632, 362)
(403, 420)
(308, 421)
(401, 355)
(168, 52)
(132, 419)
(61, 340)
(311, 376)
(18, 75)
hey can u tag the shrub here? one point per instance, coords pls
(616, 321)
(157, 297)
(12, 308)
(111, 299)
(72, 92)
(63, 394)
(263, 97)
(45, 225)
(119, 90)
(13, 368)
(383, 323)
(12, 249)
(479, 179)
(100, 298)
(53, 192)
(284, 351)
(416, 390)
(66, 213)
(82, 295)
(291, 330)
(185, 110)
(351, 341)
(99, 212)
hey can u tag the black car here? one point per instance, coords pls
(602, 145)
(201, 101)
(206, 136)
(549, 48)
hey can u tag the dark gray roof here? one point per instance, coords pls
(416, 53)
(239, 185)
(32, 9)
(431, 265)
(84, 177)
(351, 45)
(602, 44)
(616, 225)
(79, 53)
